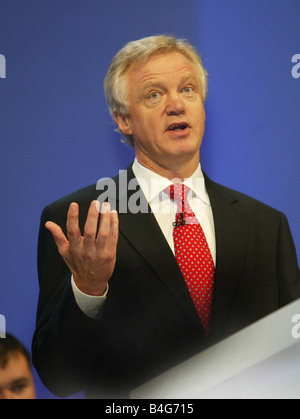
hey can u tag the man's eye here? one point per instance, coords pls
(17, 389)
(188, 89)
(154, 95)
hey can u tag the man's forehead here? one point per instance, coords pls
(16, 365)
(162, 65)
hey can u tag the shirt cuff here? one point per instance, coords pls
(89, 304)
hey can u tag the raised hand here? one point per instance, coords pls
(91, 258)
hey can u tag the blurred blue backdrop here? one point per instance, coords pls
(57, 136)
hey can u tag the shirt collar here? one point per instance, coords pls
(152, 184)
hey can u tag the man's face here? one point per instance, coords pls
(16, 381)
(167, 114)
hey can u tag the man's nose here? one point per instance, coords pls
(175, 105)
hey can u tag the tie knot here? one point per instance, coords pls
(178, 192)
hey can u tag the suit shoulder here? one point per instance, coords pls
(247, 202)
(82, 197)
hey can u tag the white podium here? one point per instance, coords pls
(260, 361)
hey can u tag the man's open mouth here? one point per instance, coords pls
(177, 127)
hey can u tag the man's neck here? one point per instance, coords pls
(180, 171)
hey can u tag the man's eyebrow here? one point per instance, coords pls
(151, 85)
(21, 380)
(17, 382)
(156, 82)
(190, 77)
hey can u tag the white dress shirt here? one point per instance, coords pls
(164, 210)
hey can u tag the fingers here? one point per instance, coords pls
(58, 235)
(91, 258)
(104, 242)
(107, 236)
(108, 231)
(91, 226)
(73, 231)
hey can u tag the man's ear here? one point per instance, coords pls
(123, 123)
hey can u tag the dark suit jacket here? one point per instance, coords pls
(148, 323)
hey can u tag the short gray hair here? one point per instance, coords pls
(141, 50)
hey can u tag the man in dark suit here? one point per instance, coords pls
(116, 306)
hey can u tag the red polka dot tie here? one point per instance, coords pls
(193, 254)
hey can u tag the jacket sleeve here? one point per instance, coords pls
(288, 269)
(58, 350)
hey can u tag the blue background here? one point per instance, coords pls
(57, 136)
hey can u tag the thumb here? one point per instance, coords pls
(58, 236)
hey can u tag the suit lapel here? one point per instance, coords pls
(144, 233)
(231, 230)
